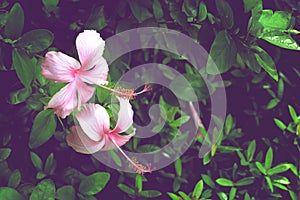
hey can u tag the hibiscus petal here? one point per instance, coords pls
(90, 47)
(59, 67)
(81, 143)
(96, 75)
(125, 116)
(64, 101)
(84, 92)
(120, 140)
(94, 121)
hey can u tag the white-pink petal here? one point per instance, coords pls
(81, 143)
(125, 116)
(96, 75)
(90, 47)
(64, 101)
(94, 121)
(120, 140)
(84, 92)
(59, 67)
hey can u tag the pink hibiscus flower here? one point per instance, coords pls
(91, 69)
(94, 132)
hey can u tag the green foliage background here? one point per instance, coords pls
(254, 45)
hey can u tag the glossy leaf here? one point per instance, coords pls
(184, 196)
(139, 182)
(36, 40)
(251, 150)
(150, 193)
(280, 124)
(36, 161)
(94, 183)
(261, 168)
(126, 189)
(43, 128)
(45, 190)
(66, 192)
(232, 193)
(15, 22)
(8, 193)
(140, 13)
(202, 13)
(250, 4)
(157, 9)
(178, 167)
(4, 153)
(224, 182)
(272, 103)
(14, 179)
(269, 158)
(222, 52)
(282, 40)
(293, 113)
(198, 189)
(24, 66)
(245, 181)
(266, 62)
(225, 13)
(279, 169)
(96, 19)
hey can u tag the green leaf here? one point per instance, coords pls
(273, 103)
(140, 13)
(224, 182)
(178, 167)
(269, 182)
(251, 150)
(208, 180)
(282, 40)
(157, 9)
(225, 12)
(66, 192)
(14, 179)
(202, 13)
(222, 52)
(184, 196)
(279, 169)
(45, 190)
(36, 161)
(94, 183)
(97, 19)
(189, 8)
(293, 114)
(49, 3)
(15, 22)
(4, 153)
(50, 164)
(43, 128)
(245, 181)
(24, 66)
(228, 124)
(126, 189)
(173, 196)
(232, 193)
(36, 40)
(261, 168)
(20, 96)
(269, 158)
(266, 62)
(7, 193)
(178, 122)
(249, 5)
(222, 195)
(277, 20)
(280, 88)
(150, 193)
(139, 182)
(280, 124)
(198, 189)
(40, 175)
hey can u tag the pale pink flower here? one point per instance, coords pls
(94, 132)
(91, 69)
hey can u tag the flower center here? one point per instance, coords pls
(75, 72)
